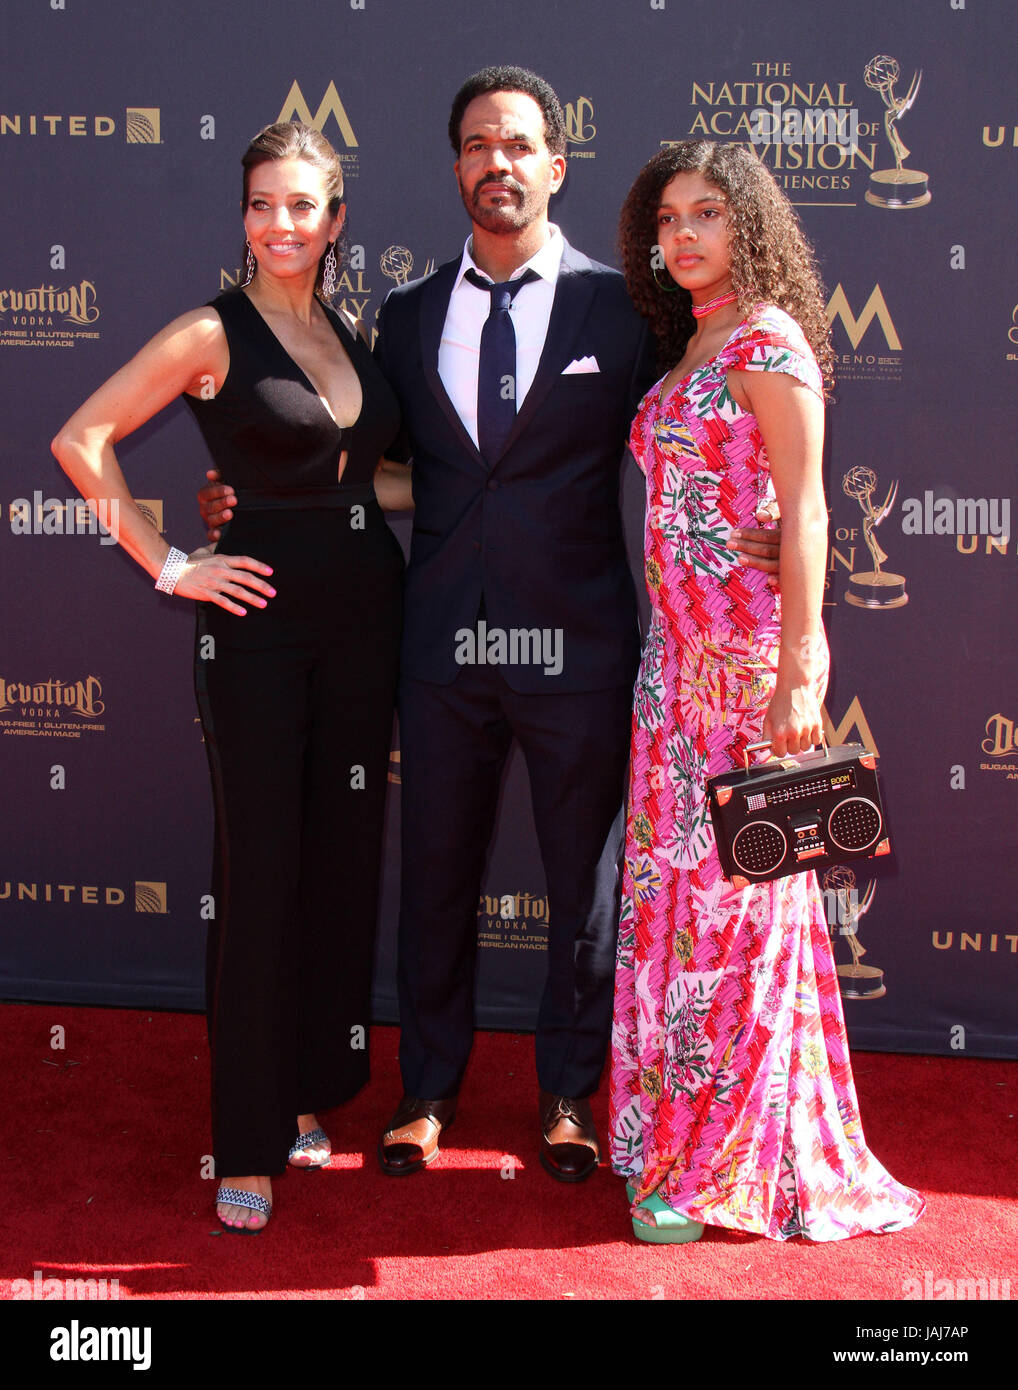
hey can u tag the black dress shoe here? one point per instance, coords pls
(411, 1141)
(569, 1147)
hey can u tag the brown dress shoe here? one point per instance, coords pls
(411, 1141)
(569, 1147)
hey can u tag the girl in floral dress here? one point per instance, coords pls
(732, 1100)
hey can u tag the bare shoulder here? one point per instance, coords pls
(194, 343)
(193, 331)
(771, 394)
(185, 356)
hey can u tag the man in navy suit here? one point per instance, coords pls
(520, 616)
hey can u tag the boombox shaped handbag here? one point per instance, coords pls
(800, 812)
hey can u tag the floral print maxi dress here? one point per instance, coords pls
(731, 1089)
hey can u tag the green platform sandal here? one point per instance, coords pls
(669, 1227)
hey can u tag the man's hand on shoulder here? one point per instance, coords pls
(215, 502)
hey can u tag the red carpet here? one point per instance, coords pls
(102, 1147)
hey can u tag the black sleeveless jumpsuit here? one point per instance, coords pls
(296, 702)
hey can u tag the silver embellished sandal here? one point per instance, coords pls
(236, 1196)
(312, 1140)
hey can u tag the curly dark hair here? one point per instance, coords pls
(771, 260)
(510, 79)
(293, 140)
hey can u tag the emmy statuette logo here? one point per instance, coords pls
(397, 263)
(856, 981)
(898, 187)
(875, 588)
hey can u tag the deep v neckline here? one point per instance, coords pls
(326, 407)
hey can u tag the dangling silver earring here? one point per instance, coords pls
(250, 266)
(329, 275)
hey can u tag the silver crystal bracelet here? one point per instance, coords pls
(171, 571)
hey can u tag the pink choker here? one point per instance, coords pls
(700, 311)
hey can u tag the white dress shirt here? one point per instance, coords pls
(459, 353)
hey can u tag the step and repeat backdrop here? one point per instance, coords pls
(891, 125)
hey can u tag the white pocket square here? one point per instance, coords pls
(581, 364)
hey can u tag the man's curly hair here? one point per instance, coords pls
(771, 260)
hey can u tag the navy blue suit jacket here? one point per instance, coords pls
(539, 532)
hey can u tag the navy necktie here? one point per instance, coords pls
(496, 370)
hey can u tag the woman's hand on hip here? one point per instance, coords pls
(225, 579)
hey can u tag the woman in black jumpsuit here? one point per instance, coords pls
(296, 702)
(296, 691)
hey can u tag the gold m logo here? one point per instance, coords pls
(578, 115)
(295, 108)
(874, 308)
(854, 719)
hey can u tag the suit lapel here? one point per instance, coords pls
(573, 294)
(434, 305)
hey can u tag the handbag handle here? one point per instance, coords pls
(755, 748)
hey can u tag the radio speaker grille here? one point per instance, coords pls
(855, 823)
(759, 847)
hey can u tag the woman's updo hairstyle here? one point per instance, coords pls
(294, 140)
